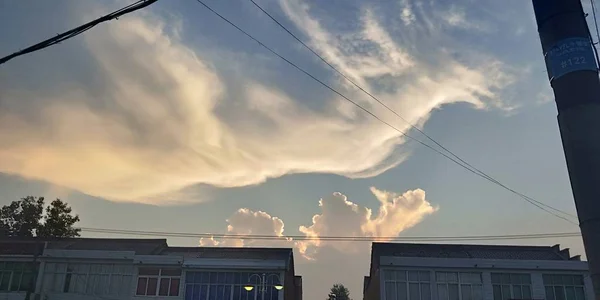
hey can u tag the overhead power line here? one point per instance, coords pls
(457, 160)
(593, 5)
(143, 3)
(79, 30)
(334, 238)
(481, 173)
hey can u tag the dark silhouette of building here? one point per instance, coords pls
(100, 269)
(404, 271)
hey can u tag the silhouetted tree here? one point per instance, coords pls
(59, 221)
(22, 217)
(26, 218)
(339, 292)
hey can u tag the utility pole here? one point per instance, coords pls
(573, 73)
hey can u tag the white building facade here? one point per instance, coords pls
(475, 272)
(95, 269)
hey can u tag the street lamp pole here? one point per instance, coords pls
(262, 283)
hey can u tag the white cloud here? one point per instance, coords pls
(319, 261)
(152, 124)
(341, 217)
(407, 15)
(544, 97)
(159, 131)
(373, 57)
(392, 55)
(248, 222)
(338, 217)
(457, 17)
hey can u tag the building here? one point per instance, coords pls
(401, 271)
(104, 269)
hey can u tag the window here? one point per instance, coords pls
(407, 285)
(17, 276)
(459, 286)
(88, 279)
(511, 286)
(206, 285)
(564, 287)
(158, 282)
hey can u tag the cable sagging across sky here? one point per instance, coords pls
(593, 6)
(79, 30)
(456, 159)
(481, 173)
(334, 238)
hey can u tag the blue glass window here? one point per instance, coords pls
(227, 290)
(204, 292)
(196, 292)
(202, 285)
(205, 277)
(213, 292)
(189, 290)
(189, 278)
(238, 290)
(230, 278)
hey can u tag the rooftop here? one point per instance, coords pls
(471, 251)
(27, 246)
(231, 252)
(17, 245)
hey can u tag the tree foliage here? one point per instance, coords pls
(339, 292)
(26, 218)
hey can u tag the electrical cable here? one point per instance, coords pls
(334, 238)
(589, 32)
(593, 4)
(457, 161)
(143, 3)
(488, 177)
(79, 30)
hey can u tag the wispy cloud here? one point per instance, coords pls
(457, 17)
(158, 117)
(375, 59)
(406, 13)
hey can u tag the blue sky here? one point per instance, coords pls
(171, 120)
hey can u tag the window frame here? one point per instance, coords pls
(26, 268)
(88, 278)
(564, 286)
(511, 284)
(407, 281)
(460, 282)
(160, 276)
(231, 284)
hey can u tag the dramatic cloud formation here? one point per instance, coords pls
(338, 217)
(248, 222)
(155, 118)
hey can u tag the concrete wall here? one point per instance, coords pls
(373, 290)
(12, 296)
(484, 266)
(290, 292)
(537, 284)
(64, 296)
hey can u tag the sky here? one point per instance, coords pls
(171, 120)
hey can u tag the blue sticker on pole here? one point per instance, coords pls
(570, 55)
